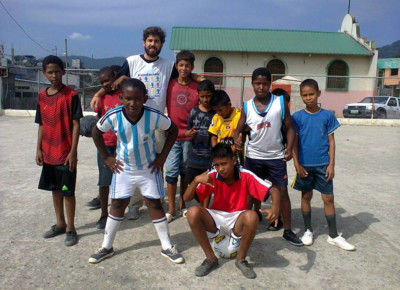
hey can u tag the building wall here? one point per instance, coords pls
(362, 72)
(391, 82)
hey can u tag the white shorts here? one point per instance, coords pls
(123, 184)
(224, 221)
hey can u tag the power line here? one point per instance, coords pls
(23, 30)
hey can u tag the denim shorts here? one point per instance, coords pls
(105, 174)
(274, 170)
(315, 180)
(176, 163)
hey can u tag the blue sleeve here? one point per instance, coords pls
(295, 121)
(333, 123)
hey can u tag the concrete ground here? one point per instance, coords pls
(366, 198)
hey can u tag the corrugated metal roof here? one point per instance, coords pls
(265, 40)
(384, 63)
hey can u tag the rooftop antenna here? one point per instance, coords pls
(348, 8)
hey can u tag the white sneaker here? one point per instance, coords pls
(184, 211)
(170, 217)
(340, 242)
(133, 213)
(307, 238)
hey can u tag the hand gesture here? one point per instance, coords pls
(71, 160)
(239, 142)
(192, 132)
(330, 173)
(116, 166)
(204, 178)
(94, 102)
(272, 214)
(288, 155)
(157, 164)
(301, 171)
(39, 157)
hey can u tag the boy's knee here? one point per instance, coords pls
(193, 213)
(250, 218)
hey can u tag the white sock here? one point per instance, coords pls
(162, 229)
(110, 231)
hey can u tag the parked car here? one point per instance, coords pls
(384, 107)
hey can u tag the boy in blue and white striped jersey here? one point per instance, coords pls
(136, 165)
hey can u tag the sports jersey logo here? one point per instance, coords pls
(228, 127)
(181, 99)
(263, 125)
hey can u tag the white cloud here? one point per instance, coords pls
(79, 36)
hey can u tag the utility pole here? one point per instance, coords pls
(55, 48)
(66, 61)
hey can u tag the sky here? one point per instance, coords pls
(102, 28)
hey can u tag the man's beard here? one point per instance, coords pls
(151, 54)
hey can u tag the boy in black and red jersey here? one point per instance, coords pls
(58, 113)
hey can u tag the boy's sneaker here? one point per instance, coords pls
(173, 255)
(170, 217)
(71, 238)
(94, 203)
(101, 223)
(205, 268)
(340, 242)
(274, 228)
(184, 211)
(291, 237)
(133, 213)
(307, 238)
(54, 231)
(246, 269)
(100, 255)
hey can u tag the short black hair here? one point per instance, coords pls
(261, 71)
(281, 92)
(309, 83)
(107, 71)
(206, 85)
(185, 55)
(220, 98)
(115, 68)
(221, 150)
(134, 83)
(52, 59)
(154, 30)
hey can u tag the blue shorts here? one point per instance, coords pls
(176, 163)
(315, 180)
(274, 170)
(105, 174)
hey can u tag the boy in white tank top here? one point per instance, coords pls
(265, 154)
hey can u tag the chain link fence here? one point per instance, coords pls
(21, 85)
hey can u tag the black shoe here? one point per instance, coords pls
(101, 223)
(94, 203)
(246, 269)
(53, 232)
(71, 238)
(100, 255)
(205, 268)
(274, 228)
(291, 237)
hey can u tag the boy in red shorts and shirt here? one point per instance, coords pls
(58, 113)
(228, 213)
(106, 102)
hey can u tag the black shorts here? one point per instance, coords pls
(274, 170)
(58, 178)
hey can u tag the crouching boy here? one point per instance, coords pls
(228, 213)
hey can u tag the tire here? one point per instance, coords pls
(381, 114)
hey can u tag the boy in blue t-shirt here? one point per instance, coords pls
(314, 159)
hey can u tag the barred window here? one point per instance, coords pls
(214, 65)
(337, 68)
(276, 67)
